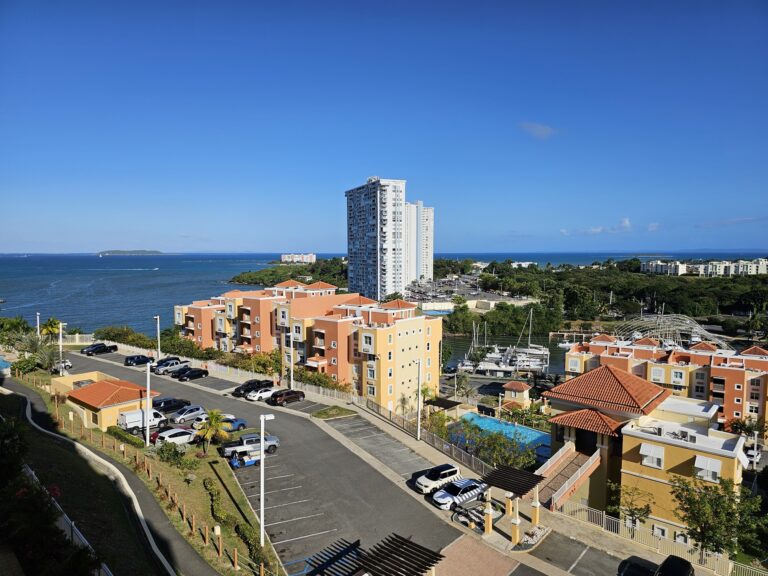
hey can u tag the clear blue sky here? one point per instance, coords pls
(237, 126)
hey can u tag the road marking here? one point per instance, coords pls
(287, 504)
(303, 537)
(281, 490)
(311, 406)
(294, 519)
(577, 559)
(273, 478)
(369, 436)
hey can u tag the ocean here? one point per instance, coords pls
(88, 292)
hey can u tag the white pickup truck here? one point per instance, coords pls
(171, 366)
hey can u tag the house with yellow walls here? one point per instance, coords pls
(100, 403)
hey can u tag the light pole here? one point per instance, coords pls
(290, 382)
(500, 397)
(418, 401)
(157, 318)
(37, 315)
(61, 348)
(263, 418)
(149, 408)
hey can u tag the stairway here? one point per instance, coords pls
(560, 476)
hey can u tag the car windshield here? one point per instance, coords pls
(434, 474)
(453, 489)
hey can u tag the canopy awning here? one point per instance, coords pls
(709, 464)
(651, 450)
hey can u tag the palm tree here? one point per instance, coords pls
(404, 403)
(46, 356)
(213, 428)
(464, 388)
(50, 328)
(29, 343)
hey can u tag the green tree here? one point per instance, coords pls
(393, 296)
(463, 387)
(46, 356)
(625, 501)
(718, 517)
(437, 423)
(50, 328)
(447, 352)
(745, 427)
(213, 429)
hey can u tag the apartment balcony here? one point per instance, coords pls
(246, 318)
(246, 333)
(319, 343)
(718, 388)
(316, 362)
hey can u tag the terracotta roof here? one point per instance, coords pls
(604, 338)
(109, 393)
(321, 286)
(610, 388)
(704, 347)
(359, 300)
(646, 342)
(290, 284)
(516, 386)
(755, 351)
(398, 305)
(588, 419)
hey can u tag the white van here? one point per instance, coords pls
(133, 421)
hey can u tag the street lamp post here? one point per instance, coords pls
(290, 327)
(61, 348)
(500, 398)
(263, 418)
(149, 409)
(157, 319)
(37, 315)
(418, 401)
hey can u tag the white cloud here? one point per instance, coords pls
(595, 230)
(653, 226)
(538, 131)
(564, 232)
(625, 224)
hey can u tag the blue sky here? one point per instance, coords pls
(237, 126)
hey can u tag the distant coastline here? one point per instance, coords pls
(129, 253)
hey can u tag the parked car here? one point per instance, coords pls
(61, 365)
(134, 421)
(754, 453)
(285, 397)
(193, 374)
(182, 435)
(250, 442)
(137, 360)
(675, 566)
(169, 405)
(164, 428)
(98, 348)
(163, 361)
(259, 394)
(250, 386)
(187, 413)
(459, 492)
(171, 366)
(203, 418)
(181, 371)
(235, 424)
(436, 478)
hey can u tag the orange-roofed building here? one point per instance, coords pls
(100, 403)
(516, 395)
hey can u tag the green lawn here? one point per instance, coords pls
(333, 412)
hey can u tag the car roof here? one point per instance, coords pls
(444, 467)
(674, 565)
(461, 483)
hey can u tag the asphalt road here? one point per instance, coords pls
(317, 491)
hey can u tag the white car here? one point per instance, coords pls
(176, 436)
(436, 478)
(459, 492)
(260, 394)
(203, 418)
(753, 454)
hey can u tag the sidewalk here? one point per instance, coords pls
(183, 558)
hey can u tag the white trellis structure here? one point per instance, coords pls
(671, 329)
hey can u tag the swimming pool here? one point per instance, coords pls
(4, 364)
(529, 437)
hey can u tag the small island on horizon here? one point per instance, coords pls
(129, 253)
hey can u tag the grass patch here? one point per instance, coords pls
(333, 412)
(171, 485)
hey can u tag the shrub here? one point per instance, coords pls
(174, 454)
(217, 511)
(24, 365)
(250, 537)
(124, 436)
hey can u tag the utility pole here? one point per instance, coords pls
(148, 410)
(157, 318)
(290, 327)
(418, 402)
(61, 348)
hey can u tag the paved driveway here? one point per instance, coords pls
(575, 557)
(344, 497)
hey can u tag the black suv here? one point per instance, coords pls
(98, 348)
(167, 405)
(285, 397)
(250, 386)
(137, 360)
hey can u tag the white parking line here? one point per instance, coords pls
(303, 537)
(309, 407)
(369, 436)
(273, 478)
(287, 504)
(577, 559)
(294, 519)
(283, 489)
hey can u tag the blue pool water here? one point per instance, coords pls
(527, 436)
(4, 363)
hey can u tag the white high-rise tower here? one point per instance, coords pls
(419, 241)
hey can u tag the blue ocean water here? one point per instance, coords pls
(88, 292)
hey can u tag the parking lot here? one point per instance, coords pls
(318, 491)
(575, 557)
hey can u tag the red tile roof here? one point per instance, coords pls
(755, 351)
(604, 338)
(646, 342)
(516, 386)
(105, 393)
(587, 419)
(320, 286)
(398, 305)
(359, 300)
(704, 346)
(612, 389)
(290, 284)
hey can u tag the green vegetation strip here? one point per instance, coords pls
(333, 412)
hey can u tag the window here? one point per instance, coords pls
(559, 432)
(389, 339)
(371, 373)
(737, 400)
(333, 344)
(573, 365)
(297, 329)
(199, 338)
(371, 390)
(389, 373)
(257, 319)
(428, 347)
(333, 361)
(199, 326)
(282, 314)
(677, 375)
(257, 334)
(681, 538)
(657, 374)
(94, 418)
(429, 377)
(754, 395)
(389, 389)
(367, 340)
(699, 389)
(707, 469)
(700, 375)
(753, 409)
(738, 386)
(720, 381)
(333, 377)
(429, 330)
(258, 348)
(389, 355)
(660, 531)
(737, 414)
(653, 456)
(429, 362)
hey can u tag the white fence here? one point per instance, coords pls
(718, 563)
(341, 395)
(583, 469)
(74, 339)
(68, 526)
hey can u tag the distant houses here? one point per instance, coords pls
(713, 268)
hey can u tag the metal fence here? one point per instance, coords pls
(350, 397)
(68, 526)
(720, 564)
